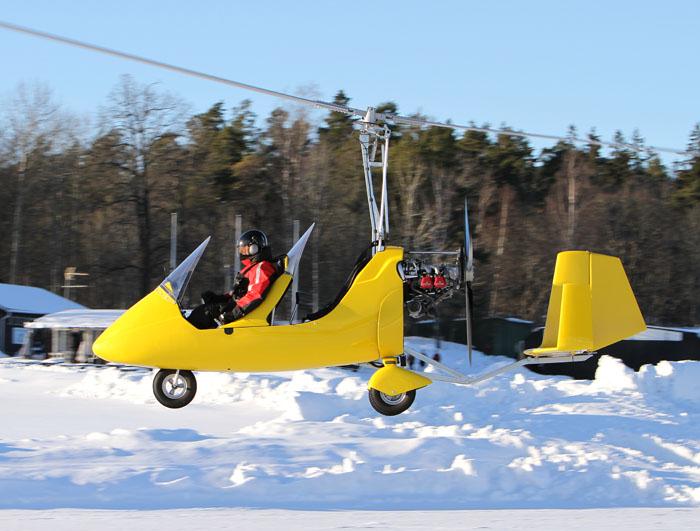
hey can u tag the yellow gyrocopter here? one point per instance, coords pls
(591, 303)
(591, 306)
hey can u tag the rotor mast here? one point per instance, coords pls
(374, 138)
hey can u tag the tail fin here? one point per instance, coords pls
(591, 305)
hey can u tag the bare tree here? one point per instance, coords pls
(142, 122)
(34, 125)
(288, 143)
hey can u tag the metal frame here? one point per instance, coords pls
(449, 253)
(371, 137)
(455, 377)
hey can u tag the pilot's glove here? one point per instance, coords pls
(212, 310)
(240, 288)
(230, 305)
(232, 315)
(209, 297)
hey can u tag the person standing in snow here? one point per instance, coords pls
(249, 289)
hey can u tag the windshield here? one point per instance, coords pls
(176, 282)
(294, 254)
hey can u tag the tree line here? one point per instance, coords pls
(100, 199)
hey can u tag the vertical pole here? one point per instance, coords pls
(315, 268)
(229, 250)
(237, 257)
(571, 225)
(227, 278)
(17, 219)
(55, 346)
(26, 349)
(67, 277)
(173, 240)
(506, 192)
(295, 280)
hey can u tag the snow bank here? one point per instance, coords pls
(310, 440)
(679, 382)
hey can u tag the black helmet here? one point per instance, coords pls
(252, 243)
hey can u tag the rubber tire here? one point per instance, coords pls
(174, 403)
(380, 406)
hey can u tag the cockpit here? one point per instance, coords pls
(175, 284)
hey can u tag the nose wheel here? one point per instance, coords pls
(174, 388)
(391, 405)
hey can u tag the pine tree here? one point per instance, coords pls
(687, 193)
(338, 125)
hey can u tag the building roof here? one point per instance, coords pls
(31, 300)
(79, 319)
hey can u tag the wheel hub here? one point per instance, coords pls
(392, 400)
(174, 386)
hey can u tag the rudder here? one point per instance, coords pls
(591, 305)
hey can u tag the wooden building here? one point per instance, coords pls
(20, 304)
(68, 334)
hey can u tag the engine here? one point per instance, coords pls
(426, 285)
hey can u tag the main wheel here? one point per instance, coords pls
(174, 389)
(391, 405)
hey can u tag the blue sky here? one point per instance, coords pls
(537, 65)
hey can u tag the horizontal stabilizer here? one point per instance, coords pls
(591, 305)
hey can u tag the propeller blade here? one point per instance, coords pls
(469, 304)
(468, 272)
(468, 247)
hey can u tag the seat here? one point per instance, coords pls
(286, 266)
(360, 264)
(262, 315)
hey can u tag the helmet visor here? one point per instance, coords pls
(244, 249)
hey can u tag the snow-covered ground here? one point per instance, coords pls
(95, 438)
(661, 519)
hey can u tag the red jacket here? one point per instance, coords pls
(260, 276)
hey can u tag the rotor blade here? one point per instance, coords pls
(369, 117)
(418, 122)
(179, 69)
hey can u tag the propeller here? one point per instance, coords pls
(468, 278)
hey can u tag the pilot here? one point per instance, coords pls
(250, 286)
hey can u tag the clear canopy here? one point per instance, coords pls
(294, 254)
(176, 282)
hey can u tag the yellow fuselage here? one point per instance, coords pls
(367, 324)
